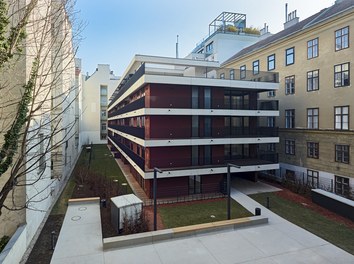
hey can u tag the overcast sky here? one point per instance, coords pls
(116, 30)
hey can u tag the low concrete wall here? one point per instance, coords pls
(333, 202)
(15, 248)
(178, 232)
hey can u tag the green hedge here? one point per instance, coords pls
(3, 242)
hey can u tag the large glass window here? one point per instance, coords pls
(342, 38)
(313, 150)
(290, 56)
(207, 98)
(195, 97)
(341, 116)
(195, 184)
(209, 47)
(342, 153)
(312, 48)
(271, 62)
(341, 75)
(312, 118)
(290, 84)
(312, 80)
(290, 118)
(256, 67)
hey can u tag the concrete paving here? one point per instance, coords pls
(279, 241)
(249, 187)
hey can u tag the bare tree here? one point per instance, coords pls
(38, 41)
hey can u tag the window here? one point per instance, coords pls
(103, 113)
(243, 72)
(290, 84)
(290, 147)
(312, 48)
(290, 56)
(222, 75)
(312, 178)
(209, 47)
(312, 118)
(290, 118)
(103, 127)
(271, 93)
(341, 117)
(342, 185)
(341, 75)
(103, 90)
(342, 153)
(342, 38)
(207, 98)
(271, 121)
(312, 80)
(232, 74)
(256, 67)
(271, 147)
(271, 62)
(313, 150)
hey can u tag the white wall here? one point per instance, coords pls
(91, 114)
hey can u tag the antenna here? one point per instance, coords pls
(286, 12)
(177, 48)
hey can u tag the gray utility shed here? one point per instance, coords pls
(122, 206)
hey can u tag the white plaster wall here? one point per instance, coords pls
(90, 100)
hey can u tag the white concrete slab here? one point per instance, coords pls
(80, 239)
(250, 187)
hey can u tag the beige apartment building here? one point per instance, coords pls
(314, 58)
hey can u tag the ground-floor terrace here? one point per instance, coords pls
(184, 177)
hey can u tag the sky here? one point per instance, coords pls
(116, 30)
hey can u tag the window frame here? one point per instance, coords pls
(341, 115)
(312, 117)
(314, 176)
(342, 153)
(243, 70)
(311, 79)
(313, 47)
(343, 37)
(290, 118)
(271, 60)
(313, 150)
(290, 146)
(289, 53)
(289, 84)
(222, 76)
(341, 185)
(255, 67)
(341, 73)
(232, 74)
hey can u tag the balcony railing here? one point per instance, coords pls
(137, 104)
(127, 83)
(134, 131)
(136, 158)
(213, 161)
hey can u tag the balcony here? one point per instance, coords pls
(135, 105)
(214, 161)
(136, 158)
(134, 131)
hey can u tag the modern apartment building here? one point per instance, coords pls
(96, 91)
(314, 58)
(171, 114)
(228, 34)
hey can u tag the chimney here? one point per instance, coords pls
(290, 18)
(264, 32)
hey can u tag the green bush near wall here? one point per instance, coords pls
(3, 242)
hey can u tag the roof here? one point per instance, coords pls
(126, 200)
(323, 15)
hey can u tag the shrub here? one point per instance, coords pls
(3, 242)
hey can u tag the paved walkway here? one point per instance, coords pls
(249, 187)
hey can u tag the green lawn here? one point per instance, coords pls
(332, 231)
(198, 213)
(102, 162)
